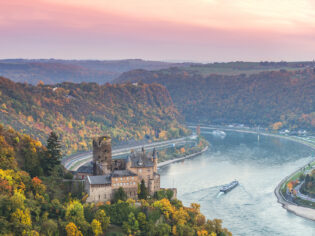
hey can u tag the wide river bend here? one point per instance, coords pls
(259, 165)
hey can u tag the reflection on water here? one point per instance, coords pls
(251, 208)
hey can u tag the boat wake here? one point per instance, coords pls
(220, 194)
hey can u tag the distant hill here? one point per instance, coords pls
(53, 71)
(264, 98)
(78, 112)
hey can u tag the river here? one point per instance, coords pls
(259, 165)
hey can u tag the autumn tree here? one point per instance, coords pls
(100, 215)
(96, 227)
(72, 230)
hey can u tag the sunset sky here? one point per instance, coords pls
(182, 30)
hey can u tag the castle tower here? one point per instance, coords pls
(102, 155)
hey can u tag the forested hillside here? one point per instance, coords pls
(78, 112)
(57, 71)
(284, 98)
(34, 200)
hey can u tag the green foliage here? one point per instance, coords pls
(143, 194)
(168, 193)
(253, 99)
(163, 229)
(131, 227)
(53, 153)
(117, 212)
(49, 227)
(100, 215)
(119, 194)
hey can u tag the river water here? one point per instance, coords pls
(251, 208)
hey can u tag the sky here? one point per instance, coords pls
(168, 30)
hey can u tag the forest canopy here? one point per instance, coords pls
(78, 112)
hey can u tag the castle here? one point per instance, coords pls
(109, 175)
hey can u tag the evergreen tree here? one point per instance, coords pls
(120, 194)
(53, 154)
(143, 191)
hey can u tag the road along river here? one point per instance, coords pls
(259, 165)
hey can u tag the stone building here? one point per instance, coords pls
(109, 175)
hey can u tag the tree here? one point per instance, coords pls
(53, 154)
(143, 191)
(142, 219)
(96, 227)
(163, 229)
(100, 215)
(132, 225)
(49, 227)
(119, 195)
(21, 220)
(72, 230)
(75, 212)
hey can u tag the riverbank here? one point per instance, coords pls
(304, 212)
(165, 163)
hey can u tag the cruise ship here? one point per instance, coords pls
(228, 187)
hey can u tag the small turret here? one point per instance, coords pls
(128, 161)
(155, 159)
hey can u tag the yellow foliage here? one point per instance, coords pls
(202, 233)
(277, 125)
(96, 227)
(72, 230)
(163, 134)
(30, 119)
(4, 106)
(22, 217)
(70, 125)
(180, 216)
(165, 206)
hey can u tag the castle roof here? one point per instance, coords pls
(99, 179)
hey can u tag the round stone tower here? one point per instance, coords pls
(102, 155)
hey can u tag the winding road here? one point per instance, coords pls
(74, 162)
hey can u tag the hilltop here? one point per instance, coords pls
(52, 71)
